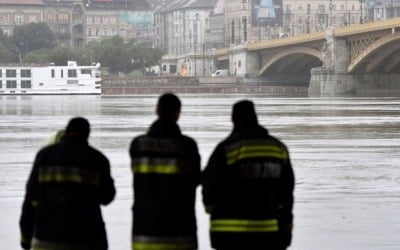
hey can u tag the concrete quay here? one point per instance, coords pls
(125, 86)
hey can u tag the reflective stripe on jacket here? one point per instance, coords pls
(248, 191)
(164, 243)
(166, 171)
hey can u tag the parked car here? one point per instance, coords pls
(220, 72)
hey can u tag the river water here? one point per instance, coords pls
(345, 154)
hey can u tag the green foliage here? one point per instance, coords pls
(61, 55)
(143, 55)
(34, 43)
(38, 56)
(7, 50)
(6, 55)
(33, 36)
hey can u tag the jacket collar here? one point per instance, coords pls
(164, 128)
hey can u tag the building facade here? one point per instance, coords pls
(180, 31)
(66, 20)
(131, 19)
(77, 22)
(19, 12)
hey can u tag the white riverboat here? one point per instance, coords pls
(50, 80)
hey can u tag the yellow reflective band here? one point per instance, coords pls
(230, 225)
(244, 152)
(155, 169)
(67, 174)
(162, 246)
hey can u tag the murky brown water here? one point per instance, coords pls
(345, 154)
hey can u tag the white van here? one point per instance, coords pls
(220, 72)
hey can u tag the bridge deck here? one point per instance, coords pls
(316, 36)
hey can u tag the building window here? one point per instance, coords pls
(105, 31)
(25, 73)
(63, 16)
(97, 31)
(72, 73)
(11, 73)
(26, 84)
(32, 18)
(105, 19)
(50, 16)
(86, 71)
(172, 68)
(89, 32)
(11, 84)
(97, 19)
(19, 19)
(89, 19)
(112, 20)
(6, 18)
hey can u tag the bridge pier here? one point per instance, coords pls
(327, 83)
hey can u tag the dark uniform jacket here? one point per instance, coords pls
(61, 210)
(248, 190)
(166, 169)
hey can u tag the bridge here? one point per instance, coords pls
(355, 60)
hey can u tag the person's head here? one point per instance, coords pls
(168, 107)
(244, 115)
(78, 127)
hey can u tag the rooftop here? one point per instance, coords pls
(187, 4)
(21, 2)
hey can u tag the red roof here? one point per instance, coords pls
(19, 2)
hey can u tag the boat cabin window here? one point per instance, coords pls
(72, 73)
(1, 73)
(11, 84)
(1, 84)
(11, 73)
(62, 73)
(52, 73)
(86, 71)
(26, 84)
(25, 73)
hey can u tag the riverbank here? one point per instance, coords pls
(125, 86)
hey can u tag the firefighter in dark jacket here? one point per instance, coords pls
(68, 182)
(166, 170)
(248, 187)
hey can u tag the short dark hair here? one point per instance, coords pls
(79, 127)
(244, 114)
(168, 104)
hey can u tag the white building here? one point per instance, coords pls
(180, 30)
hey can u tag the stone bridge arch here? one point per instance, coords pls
(290, 51)
(374, 46)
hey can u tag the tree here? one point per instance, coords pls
(61, 55)
(144, 55)
(114, 55)
(33, 36)
(6, 55)
(40, 56)
(7, 50)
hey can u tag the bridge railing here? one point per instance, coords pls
(315, 36)
(367, 27)
(286, 41)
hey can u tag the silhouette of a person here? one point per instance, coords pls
(68, 183)
(248, 187)
(166, 170)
